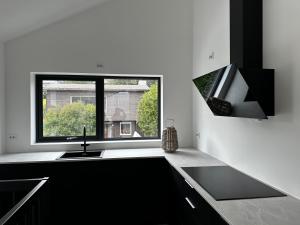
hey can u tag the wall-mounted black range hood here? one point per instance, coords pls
(243, 88)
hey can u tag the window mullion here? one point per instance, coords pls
(100, 108)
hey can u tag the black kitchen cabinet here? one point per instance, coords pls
(191, 207)
(141, 191)
(121, 191)
(24, 202)
(109, 192)
(190, 211)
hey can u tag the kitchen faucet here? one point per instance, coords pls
(84, 153)
(84, 145)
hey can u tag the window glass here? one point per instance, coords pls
(131, 108)
(125, 128)
(110, 107)
(83, 99)
(68, 106)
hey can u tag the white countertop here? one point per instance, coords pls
(262, 211)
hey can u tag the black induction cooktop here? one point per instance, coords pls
(226, 183)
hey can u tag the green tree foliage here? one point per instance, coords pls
(44, 106)
(70, 119)
(148, 112)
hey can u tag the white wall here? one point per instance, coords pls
(2, 99)
(268, 150)
(126, 36)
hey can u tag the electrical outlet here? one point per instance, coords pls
(12, 137)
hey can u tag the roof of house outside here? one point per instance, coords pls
(91, 87)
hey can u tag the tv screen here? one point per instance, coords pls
(227, 94)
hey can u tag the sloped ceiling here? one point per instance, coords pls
(18, 17)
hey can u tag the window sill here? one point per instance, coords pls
(95, 142)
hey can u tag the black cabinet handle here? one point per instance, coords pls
(190, 203)
(188, 184)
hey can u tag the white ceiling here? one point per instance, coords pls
(18, 17)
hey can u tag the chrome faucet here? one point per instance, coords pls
(84, 145)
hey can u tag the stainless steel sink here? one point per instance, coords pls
(82, 155)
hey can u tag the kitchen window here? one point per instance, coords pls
(110, 107)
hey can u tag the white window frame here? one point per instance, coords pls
(119, 143)
(125, 123)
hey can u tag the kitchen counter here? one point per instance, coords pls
(29, 157)
(262, 211)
